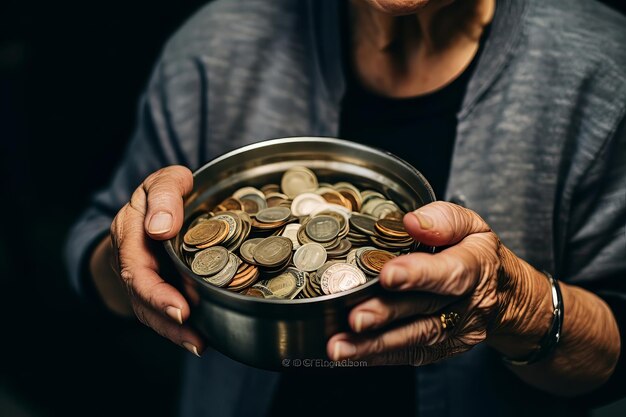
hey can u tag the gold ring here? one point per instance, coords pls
(449, 320)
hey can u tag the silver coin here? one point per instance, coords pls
(245, 191)
(305, 203)
(246, 250)
(310, 257)
(386, 207)
(323, 228)
(341, 277)
(351, 257)
(234, 224)
(226, 275)
(210, 261)
(273, 214)
(291, 231)
(257, 201)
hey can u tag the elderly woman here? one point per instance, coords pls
(514, 110)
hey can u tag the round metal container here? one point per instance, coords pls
(262, 332)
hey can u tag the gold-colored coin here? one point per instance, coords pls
(273, 251)
(298, 180)
(204, 232)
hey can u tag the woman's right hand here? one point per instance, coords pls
(154, 213)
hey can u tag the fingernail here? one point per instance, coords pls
(191, 348)
(161, 222)
(343, 350)
(396, 276)
(425, 221)
(175, 313)
(363, 321)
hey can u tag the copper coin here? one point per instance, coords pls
(245, 280)
(210, 261)
(250, 206)
(234, 225)
(391, 227)
(270, 188)
(230, 203)
(258, 292)
(375, 259)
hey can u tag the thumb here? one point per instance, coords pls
(165, 190)
(442, 224)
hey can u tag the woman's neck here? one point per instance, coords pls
(403, 56)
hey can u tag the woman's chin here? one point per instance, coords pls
(399, 7)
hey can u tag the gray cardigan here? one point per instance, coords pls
(540, 154)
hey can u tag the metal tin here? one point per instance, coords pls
(260, 332)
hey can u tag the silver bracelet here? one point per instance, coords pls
(551, 339)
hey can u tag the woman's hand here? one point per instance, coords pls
(154, 212)
(484, 291)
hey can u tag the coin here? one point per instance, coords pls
(286, 285)
(375, 259)
(341, 277)
(273, 214)
(291, 231)
(309, 257)
(342, 249)
(246, 191)
(335, 197)
(363, 223)
(305, 203)
(298, 180)
(226, 275)
(234, 224)
(246, 250)
(322, 228)
(273, 251)
(329, 238)
(244, 279)
(391, 228)
(210, 261)
(231, 203)
(258, 292)
(202, 232)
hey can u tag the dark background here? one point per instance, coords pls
(70, 76)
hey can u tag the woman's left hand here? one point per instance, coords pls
(439, 305)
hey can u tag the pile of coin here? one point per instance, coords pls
(299, 239)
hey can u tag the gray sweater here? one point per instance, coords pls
(540, 154)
